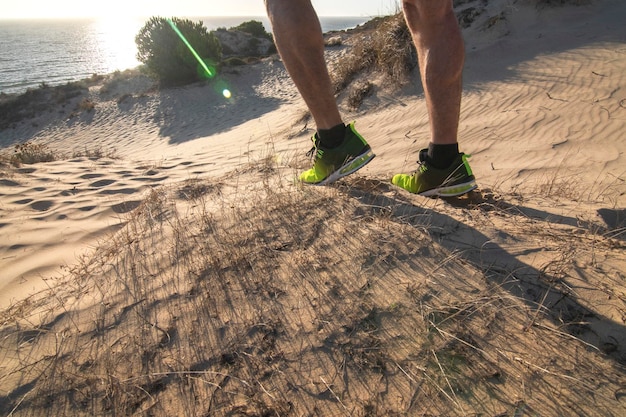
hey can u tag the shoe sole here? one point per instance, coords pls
(349, 167)
(451, 191)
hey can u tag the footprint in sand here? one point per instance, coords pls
(91, 176)
(24, 201)
(43, 205)
(101, 183)
(150, 179)
(119, 191)
(9, 183)
(69, 193)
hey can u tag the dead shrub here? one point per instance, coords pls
(359, 93)
(388, 49)
(32, 153)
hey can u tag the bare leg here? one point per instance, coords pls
(298, 37)
(445, 172)
(441, 55)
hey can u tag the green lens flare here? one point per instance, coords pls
(210, 72)
(221, 87)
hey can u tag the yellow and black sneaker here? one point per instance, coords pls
(429, 181)
(330, 164)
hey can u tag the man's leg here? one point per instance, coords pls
(441, 55)
(339, 149)
(298, 37)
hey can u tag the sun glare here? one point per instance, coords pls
(116, 41)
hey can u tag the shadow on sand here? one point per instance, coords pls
(539, 289)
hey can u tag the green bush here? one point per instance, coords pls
(254, 28)
(166, 56)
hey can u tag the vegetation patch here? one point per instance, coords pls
(31, 153)
(169, 58)
(204, 305)
(359, 93)
(387, 50)
(15, 108)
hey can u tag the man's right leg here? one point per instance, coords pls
(439, 43)
(338, 149)
(443, 171)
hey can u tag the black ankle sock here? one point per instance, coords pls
(331, 138)
(442, 156)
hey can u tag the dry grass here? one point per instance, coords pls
(386, 49)
(29, 153)
(33, 152)
(383, 46)
(242, 296)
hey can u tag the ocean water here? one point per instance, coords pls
(33, 52)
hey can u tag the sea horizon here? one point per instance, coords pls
(36, 52)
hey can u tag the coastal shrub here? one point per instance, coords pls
(254, 28)
(33, 102)
(166, 56)
(253, 46)
(248, 39)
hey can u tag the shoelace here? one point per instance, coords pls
(421, 163)
(311, 153)
(315, 151)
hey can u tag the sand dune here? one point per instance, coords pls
(184, 269)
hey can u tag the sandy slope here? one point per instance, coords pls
(544, 103)
(544, 116)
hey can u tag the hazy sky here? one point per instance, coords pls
(178, 8)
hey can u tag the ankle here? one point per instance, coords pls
(442, 156)
(333, 137)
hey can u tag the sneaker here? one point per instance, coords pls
(429, 181)
(331, 164)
